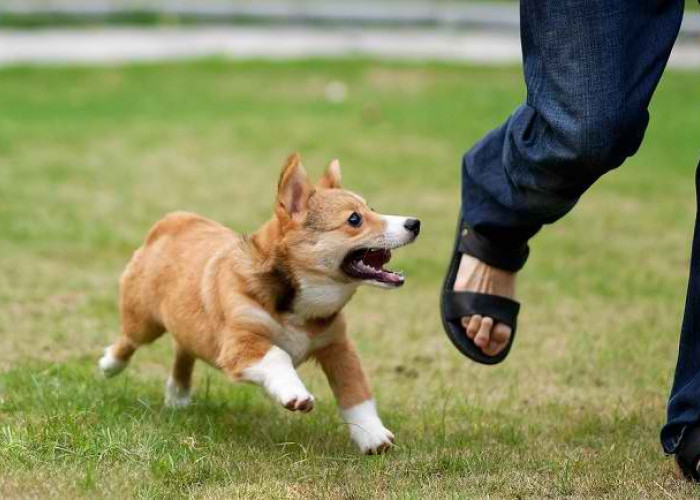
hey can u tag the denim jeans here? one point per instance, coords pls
(591, 67)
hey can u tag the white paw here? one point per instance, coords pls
(367, 430)
(372, 439)
(110, 365)
(176, 396)
(292, 395)
(275, 372)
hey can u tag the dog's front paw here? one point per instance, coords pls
(293, 397)
(367, 430)
(372, 440)
(303, 403)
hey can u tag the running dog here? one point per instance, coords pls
(256, 306)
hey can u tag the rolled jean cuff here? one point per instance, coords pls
(671, 441)
(506, 253)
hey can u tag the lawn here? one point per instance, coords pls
(89, 158)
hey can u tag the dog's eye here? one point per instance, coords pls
(355, 219)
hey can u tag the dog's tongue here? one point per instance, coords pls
(391, 277)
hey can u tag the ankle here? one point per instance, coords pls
(478, 276)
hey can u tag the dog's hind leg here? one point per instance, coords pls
(116, 357)
(136, 331)
(178, 388)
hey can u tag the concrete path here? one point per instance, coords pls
(119, 45)
(442, 13)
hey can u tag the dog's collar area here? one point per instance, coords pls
(282, 287)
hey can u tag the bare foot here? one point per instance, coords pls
(475, 276)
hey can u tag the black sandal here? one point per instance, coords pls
(456, 305)
(688, 454)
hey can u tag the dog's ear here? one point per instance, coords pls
(331, 177)
(293, 190)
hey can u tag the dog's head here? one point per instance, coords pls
(330, 232)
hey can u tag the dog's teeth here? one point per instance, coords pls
(364, 267)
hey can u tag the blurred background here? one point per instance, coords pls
(115, 112)
(459, 30)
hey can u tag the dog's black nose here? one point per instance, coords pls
(412, 225)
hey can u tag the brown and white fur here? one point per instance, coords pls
(257, 306)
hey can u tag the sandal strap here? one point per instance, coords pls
(502, 309)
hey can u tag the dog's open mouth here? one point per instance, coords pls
(368, 264)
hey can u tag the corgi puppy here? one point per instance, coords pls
(257, 306)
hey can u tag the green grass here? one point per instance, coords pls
(89, 158)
